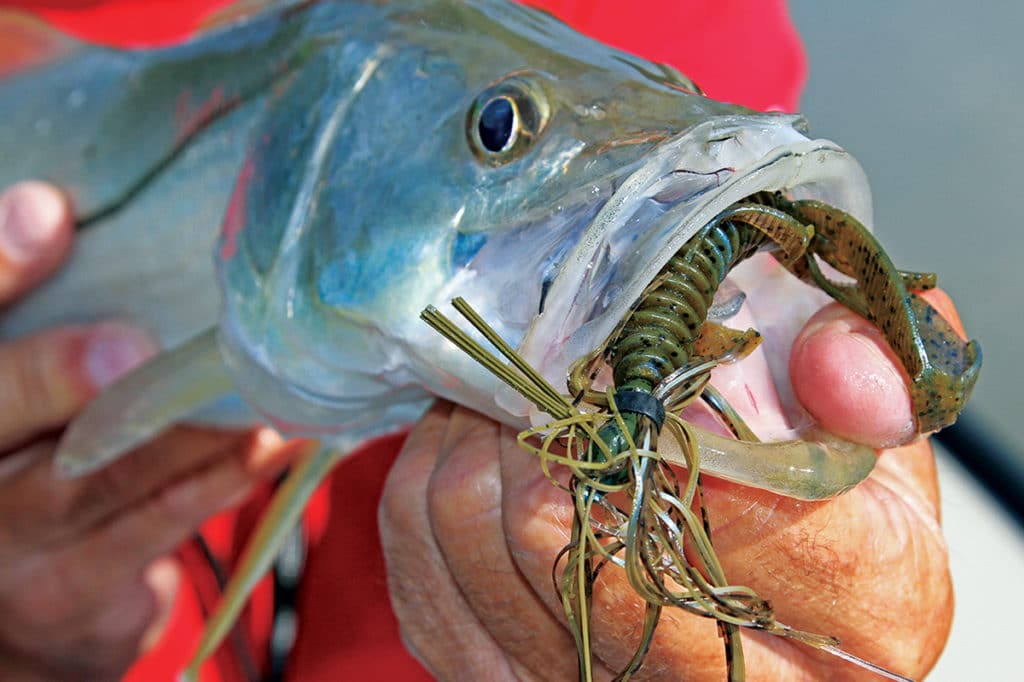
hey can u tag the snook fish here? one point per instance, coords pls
(278, 200)
(334, 145)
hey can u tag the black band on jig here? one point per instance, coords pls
(642, 403)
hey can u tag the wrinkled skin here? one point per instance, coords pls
(84, 580)
(470, 526)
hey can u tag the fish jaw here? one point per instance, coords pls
(697, 174)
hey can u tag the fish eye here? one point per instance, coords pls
(506, 119)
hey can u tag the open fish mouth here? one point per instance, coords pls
(680, 188)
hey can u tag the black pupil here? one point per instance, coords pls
(496, 124)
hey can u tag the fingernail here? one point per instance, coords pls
(113, 350)
(832, 315)
(30, 216)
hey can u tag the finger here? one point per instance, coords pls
(102, 649)
(157, 524)
(846, 375)
(464, 498)
(75, 581)
(35, 233)
(437, 625)
(46, 512)
(184, 476)
(48, 377)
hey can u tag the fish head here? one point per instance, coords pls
(481, 150)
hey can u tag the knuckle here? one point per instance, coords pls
(444, 497)
(407, 544)
(34, 513)
(440, 491)
(393, 516)
(40, 390)
(27, 381)
(396, 514)
(464, 487)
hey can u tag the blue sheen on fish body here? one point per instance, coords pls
(465, 246)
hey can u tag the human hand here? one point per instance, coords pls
(84, 584)
(470, 528)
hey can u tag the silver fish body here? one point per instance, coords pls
(335, 149)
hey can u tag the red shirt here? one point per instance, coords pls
(744, 51)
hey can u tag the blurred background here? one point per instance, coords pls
(928, 97)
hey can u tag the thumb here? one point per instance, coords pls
(847, 377)
(845, 374)
(35, 234)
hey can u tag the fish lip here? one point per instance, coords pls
(753, 153)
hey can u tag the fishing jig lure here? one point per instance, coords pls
(631, 510)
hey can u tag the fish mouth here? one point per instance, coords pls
(682, 185)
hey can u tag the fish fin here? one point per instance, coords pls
(144, 403)
(284, 512)
(29, 42)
